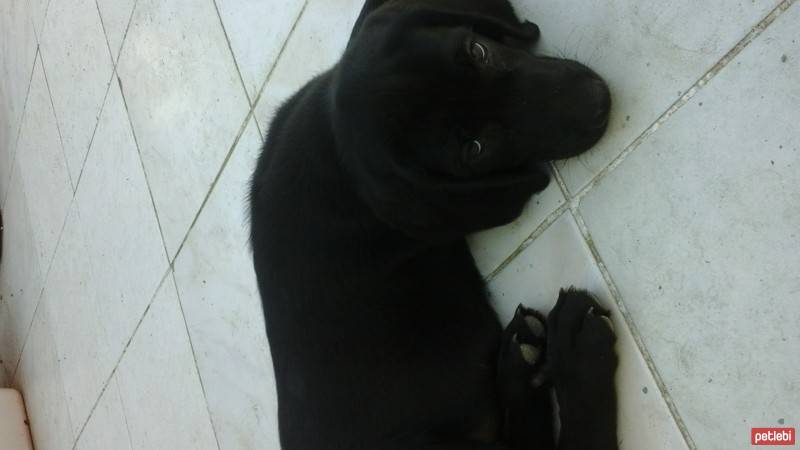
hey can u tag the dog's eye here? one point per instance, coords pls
(479, 52)
(472, 150)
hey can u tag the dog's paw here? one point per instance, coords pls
(580, 339)
(522, 355)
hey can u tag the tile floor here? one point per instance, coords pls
(129, 315)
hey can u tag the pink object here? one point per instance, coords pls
(14, 432)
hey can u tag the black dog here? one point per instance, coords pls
(436, 123)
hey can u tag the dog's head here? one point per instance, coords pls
(446, 117)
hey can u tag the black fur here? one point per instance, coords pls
(435, 123)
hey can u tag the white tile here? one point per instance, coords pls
(107, 428)
(316, 44)
(115, 15)
(39, 380)
(216, 281)
(21, 275)
(648, 52)
(78, 68)
(17, 53)
(42, 168)
(124, 241)
(83, 347)
(159, 387)
(37, 202)
(699, 228)
(186, 104)
(257, 30)
(108, 265)
(38, 13)
(560, 258)
(491, 247)
(134, 413)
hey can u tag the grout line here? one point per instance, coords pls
(541, 228)
(213, 185)
(552, 218)
(13, 373)
(124, 35)
(94, 131)
(46, 321)
(560, 180)
(115, 73)
(124, 412)
(280, 54)
(19, 127)
(194, 358)
(258, 126)
(121, 356)
(45, 276)
(44, 22)
(105, 97)
(754, 32)
(144, 170)
(637, 337)
(58, 127)
(250, 114)
(263, 132)
(233, 55)
(105, 34)
(102, 104)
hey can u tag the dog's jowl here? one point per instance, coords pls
(438, 121)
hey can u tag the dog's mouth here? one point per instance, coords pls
(497, 178)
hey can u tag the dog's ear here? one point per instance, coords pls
(369, 7)
(489, 25)
(497, 26)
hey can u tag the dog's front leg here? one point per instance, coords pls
(582, 363)
(525, 392)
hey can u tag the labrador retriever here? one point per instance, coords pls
(438, 121)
